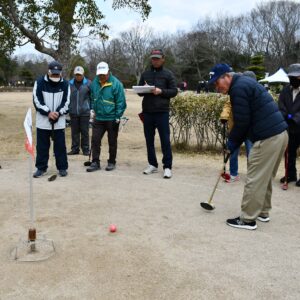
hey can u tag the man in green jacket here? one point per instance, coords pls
(108, 105)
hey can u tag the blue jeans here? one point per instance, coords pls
(159, 121)
(233, 164)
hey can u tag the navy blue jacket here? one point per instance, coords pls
(255, 114)
(80, 100)
(163, 79)
(51, 96)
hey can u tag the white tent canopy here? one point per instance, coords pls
(279, 76)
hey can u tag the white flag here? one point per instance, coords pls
(28, 130)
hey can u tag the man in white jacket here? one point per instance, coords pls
(51, 99)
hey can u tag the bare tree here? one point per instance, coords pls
(54, 26)
(136, 44)
(272, 29)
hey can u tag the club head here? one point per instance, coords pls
(207, 206)
(225, 176)
(284, 186)
(52, 177)
(87, 163)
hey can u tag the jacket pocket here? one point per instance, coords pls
(108, 107)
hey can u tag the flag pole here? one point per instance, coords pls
(31, 192)
(29, 148)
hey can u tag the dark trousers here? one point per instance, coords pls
(99, 129)
(80, 127)
(159, 121)
(43, 137)
(294, 143)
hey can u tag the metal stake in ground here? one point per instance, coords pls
(208, 205)
(53, 176)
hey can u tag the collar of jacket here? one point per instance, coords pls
(157, 69)
(234, 79)
(84, 81)
(107, 83)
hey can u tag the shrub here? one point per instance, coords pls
(195, 120)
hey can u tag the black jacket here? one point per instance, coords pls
(288, 106)
(256, 115)
(163, 79)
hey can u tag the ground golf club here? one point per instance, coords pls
(208, 205)
(88, 163)
(53, 176)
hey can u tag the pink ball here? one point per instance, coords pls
(112, 228)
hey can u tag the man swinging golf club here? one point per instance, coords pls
(256, 117)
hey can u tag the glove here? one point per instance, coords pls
(92, 115)
(223, 121)
(289, 119)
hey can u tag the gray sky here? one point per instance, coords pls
(167, 15)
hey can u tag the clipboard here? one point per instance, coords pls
(144, 89)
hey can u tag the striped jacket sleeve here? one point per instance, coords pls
(63, 108)
(38, 99)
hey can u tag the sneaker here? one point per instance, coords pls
(290, 179)
(63, 173)
(167, 173)
(39, 173)
(298, 183)
(110, 167)
(86, 153)
(150, 169)
(232, 179)
(238, 223)
(263, 218)
(72, 152)
(93, 167)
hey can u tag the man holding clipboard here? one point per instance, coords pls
(159, 87)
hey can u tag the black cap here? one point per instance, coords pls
(156, 53)
(55, 67)
(294, 70)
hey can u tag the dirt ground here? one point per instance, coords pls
(165, 247)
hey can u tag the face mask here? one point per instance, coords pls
(54, 79)
(295, 82)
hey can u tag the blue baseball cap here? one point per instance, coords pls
(55, 67)
(217, 71)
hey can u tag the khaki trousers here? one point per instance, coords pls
(263, 163)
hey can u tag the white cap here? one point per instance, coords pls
(102, 68)
(78, 70)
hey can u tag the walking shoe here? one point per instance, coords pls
(167, 173)
(110, 167)
(39, 173)
(62, 173)
(86, 153)
(150, 169)
(238, 223)
(263, 218)
(93, 167)
(298, 182)
(232, 179)
(72, 152)
(290, 179)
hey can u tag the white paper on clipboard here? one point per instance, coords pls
(143, 88)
